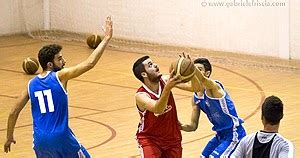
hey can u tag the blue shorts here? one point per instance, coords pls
(224, 143)
(62, 145)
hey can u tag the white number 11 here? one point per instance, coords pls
(40, 95)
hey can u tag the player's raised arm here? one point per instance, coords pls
(12, 119)
(214, 90)
(91, 61)
(193, 85)
(207, 82)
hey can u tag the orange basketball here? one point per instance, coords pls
(30, 65)
(183, 67)
(93, 41)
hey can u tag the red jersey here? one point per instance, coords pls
(163, 129)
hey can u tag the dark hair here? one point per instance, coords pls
(272, 110)
(205, 63)
(138, 68)
(47, 53)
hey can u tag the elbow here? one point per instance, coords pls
(188, 128)
(194, 127)
(159, 112)
(90, 65)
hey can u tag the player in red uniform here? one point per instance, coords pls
(158, 132)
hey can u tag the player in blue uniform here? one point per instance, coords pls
(212, 98)
(49, 102)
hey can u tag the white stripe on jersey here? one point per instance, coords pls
(229, 149)
(141, 151)
(150, 91)
(28, 91)
(61, 85)
(75, 139)
(142, 93)
(235, 120)
(224, 107)
(142, 121)
(80, 154)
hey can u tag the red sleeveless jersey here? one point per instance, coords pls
(163, 129)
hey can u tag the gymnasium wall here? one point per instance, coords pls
(10, 18)
(295, 29)
(256, 30)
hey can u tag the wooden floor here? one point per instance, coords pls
(102, 109)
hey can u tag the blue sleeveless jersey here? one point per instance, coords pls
(220, 111)
(49, 104)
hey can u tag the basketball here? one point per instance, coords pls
(93, 41)
(30, 65)
(183, 67)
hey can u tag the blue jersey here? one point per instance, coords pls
(220, 111)
(49, 106)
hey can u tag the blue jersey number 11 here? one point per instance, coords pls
(40, 95)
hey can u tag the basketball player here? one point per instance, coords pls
(216, 103)
(47, 92)
(158, 132)
(267, 142)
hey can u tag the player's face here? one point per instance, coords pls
(152, 70)
(58, 62)
(202, 69)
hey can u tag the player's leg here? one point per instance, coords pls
(46, 152)
(228, 142)
(241, 134)
(42, 154)
(210, 147)
(225, 149)
(43, 146)
(173, 152)
(63, 144)
(72, 147)
(150, 151)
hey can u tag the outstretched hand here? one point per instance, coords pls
(173, 80)
(185, 56)
(7, 145)
(108, 28)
